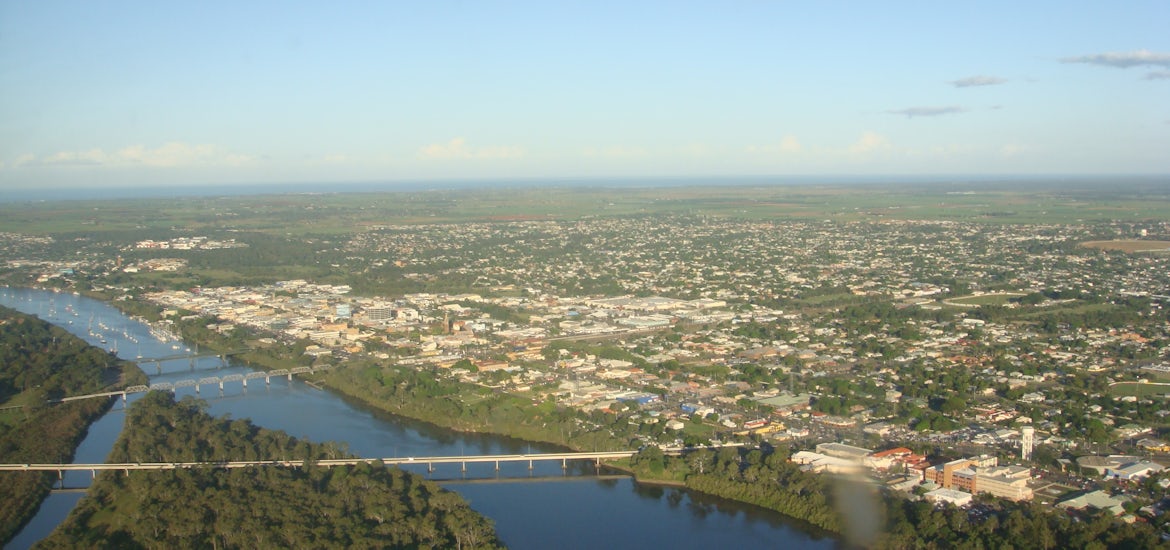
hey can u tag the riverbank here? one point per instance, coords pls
(339, 507)
(538, 508)
(622, 465)
(420, 395)
(39, 361)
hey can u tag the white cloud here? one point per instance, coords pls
(93, 157)
(24, 159)
(696, 150)
(1158, 75)
(615, 152)
(1123, 60)
(179, 154)
(870, 142)
(457, 148)
(788, 145)
(981, 80)
(911, 112)
(169, 155)
(1013, 150)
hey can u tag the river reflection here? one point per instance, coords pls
(546, 506)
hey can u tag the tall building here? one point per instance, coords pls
(379, 312)
(1027, 433)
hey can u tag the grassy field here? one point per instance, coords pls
(998, 299)
(1129, 246)
(333, 213)
(826, 299)
(1075, 307)
(1139, 389)
(700, 430)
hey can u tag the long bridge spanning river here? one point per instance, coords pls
(537, 508)
(197, 383)
(428, 461)
(191, 358)
(222, 355)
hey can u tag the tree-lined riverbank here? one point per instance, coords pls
(39, 361)
(364, 506)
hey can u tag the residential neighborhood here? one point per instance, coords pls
(943, 359)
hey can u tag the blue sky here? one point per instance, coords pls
(180, 93)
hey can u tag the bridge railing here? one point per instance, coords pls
(395, 461)
(198, 383)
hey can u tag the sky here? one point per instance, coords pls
(126, 94)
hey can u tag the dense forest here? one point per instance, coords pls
(870, 517)
(37, 362)
(365, 506)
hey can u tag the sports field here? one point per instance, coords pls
(1139, 389)
(1129, 246)
(972, 300)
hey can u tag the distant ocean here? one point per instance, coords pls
(216, 190)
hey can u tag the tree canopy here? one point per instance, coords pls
(363, 506)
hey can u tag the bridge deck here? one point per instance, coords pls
(326, 462)
(196, 355)
(197, 382)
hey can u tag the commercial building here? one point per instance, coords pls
(841, 450)
(822, 463)
(943, 474)
(379, 312)
(951, 496)
(982, 475)
(1134, 470)
(1097, 500)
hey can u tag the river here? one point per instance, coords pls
(540, 508)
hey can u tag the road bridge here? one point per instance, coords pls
(530, 479)
(199, 383)
(190, 357)
(428, 461)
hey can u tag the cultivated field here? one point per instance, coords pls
(322, 214)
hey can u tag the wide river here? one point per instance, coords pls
(543, 508)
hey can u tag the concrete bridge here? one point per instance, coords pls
(190, 357)
(429, 461)
(200, 382)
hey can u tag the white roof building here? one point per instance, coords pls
(1134, 470)
(958, 498)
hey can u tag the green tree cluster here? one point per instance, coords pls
(363, 506)
(873, 518)
(37, 362)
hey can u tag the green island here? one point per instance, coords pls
(363, 506)
(943, 321)
(39, 362)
